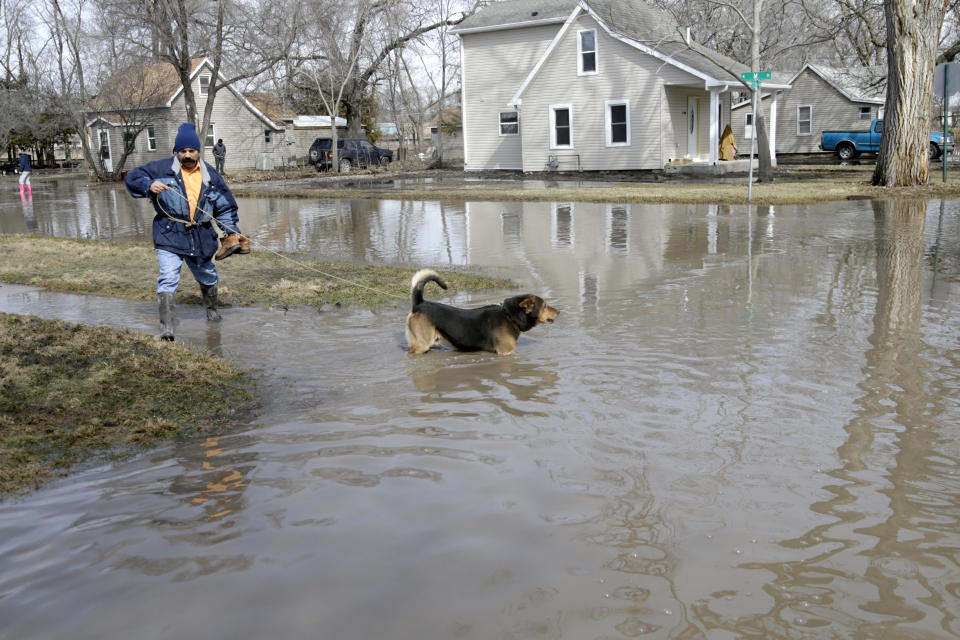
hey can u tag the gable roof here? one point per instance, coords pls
(270, 105)
(141, 87)
(857, 84)
(634, 22)
(452, 117)
(156, 86)
(513, 14)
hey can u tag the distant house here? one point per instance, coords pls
(589, 84)
(820, 98)
(299, 130)
(448, 133)
(144, 105)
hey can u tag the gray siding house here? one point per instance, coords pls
(588, 85)
(820, 98)
(146, 103)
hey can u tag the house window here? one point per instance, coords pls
(204, 85)
(587, 48)
(804, 120)
(211, 137)
(561, 127)
(130, 141)
(866, 113)
(748, 126)
(151, 139)
(618, 123)
(509, 123)
(267, 136)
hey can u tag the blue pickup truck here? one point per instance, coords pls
(850, 144)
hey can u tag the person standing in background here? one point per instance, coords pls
(219, 155)
(25, 169)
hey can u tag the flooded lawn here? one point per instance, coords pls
(742, 424)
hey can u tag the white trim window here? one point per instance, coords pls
(268, 136)
(748, 126)
(204, 85)
(151, 139)
(587, 52)
(804, 120)
(561, 126)
(866, 113)
(509, 123)
(211, 137)
(618, 123)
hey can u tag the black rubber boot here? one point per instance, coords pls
(166, 315)
(210, 302)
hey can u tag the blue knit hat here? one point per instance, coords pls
(187, 137)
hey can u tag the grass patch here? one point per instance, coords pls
(130, 271)
(796, 184)
(69, 393)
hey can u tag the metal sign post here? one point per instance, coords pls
(754, 79)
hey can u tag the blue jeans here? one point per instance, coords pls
(203, 270)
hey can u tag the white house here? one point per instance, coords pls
(589, 85)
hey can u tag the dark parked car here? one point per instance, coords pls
(352, 152)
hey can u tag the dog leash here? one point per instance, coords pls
(266, 249)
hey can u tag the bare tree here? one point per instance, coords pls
(68, 29)
(913, 32)
(368, 32)
(331, 81)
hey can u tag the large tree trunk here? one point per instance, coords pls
(913, 31)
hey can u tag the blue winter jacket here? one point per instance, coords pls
(24, 163)
(171, 230)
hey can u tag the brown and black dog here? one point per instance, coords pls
(494, 328)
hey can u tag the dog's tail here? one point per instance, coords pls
(419, 281)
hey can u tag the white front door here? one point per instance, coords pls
(105, 150)
(693, 127)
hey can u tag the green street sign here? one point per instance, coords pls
(755, 76)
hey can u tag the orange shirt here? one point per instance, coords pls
(193, 181)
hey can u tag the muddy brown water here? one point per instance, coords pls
(742, 425)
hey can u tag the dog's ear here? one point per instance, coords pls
(531, 306)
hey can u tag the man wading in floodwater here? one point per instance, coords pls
(186, 192)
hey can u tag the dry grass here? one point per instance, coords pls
(69, 393)
(798, 184)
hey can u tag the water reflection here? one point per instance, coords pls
(517, 388)
(743, 425)
(889, 551)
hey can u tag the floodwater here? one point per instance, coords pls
(743, 424)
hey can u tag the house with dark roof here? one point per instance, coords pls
(144, 105)
(820, 98)
(589, 85)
